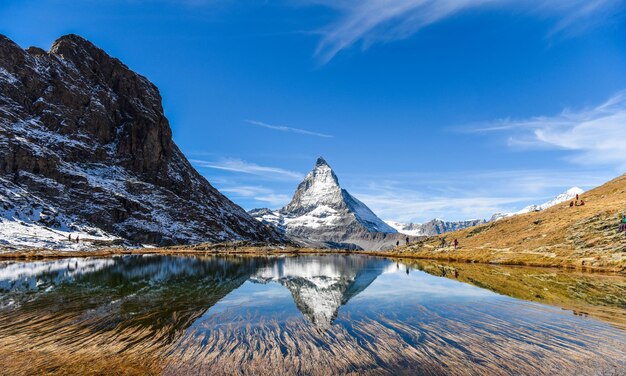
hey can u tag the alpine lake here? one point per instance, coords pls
(306, 315)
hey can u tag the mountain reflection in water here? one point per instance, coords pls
(309, 314)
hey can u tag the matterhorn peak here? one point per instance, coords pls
(321, 162)
(319, 187)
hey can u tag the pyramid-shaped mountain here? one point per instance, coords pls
(323, 212)
(320, 285)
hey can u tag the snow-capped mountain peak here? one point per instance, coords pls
(321, 210)
(320, 195)
(319, 187)
(570, 194)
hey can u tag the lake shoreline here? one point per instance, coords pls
(462, 256)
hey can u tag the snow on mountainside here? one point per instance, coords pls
(434, 227)
(28, 222)
(322, 211)
(320, 201)
(88, 136)
(568, 195)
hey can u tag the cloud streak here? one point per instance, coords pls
(257, 193)
(594, 136)
(375, 21)
(283, 128)
(240, 166)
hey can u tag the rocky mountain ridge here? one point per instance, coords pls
(85, 134)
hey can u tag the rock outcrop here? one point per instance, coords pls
(87, 135)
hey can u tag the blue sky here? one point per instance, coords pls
(424, 108)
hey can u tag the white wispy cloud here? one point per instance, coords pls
(594, 136)
(373, 21)
(257, 193)
(283, 128)
(240, 166)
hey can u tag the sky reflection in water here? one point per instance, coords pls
(305, 314)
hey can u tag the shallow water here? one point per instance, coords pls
(327, 314)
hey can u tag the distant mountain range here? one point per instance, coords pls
(85, 148)
(321, 212)
(435, 227)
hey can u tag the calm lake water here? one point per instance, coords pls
(312, 315)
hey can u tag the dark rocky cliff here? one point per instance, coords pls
(84, 133)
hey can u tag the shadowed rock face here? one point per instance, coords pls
(87, 135)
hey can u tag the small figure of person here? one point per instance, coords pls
(407, 240)
(443, 243)
(77, 239)
(582, 202)
(69, 237)
(397, 243)
(571, 204)
(456, 243)
(576, 196)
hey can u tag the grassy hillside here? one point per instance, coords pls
(581, 236)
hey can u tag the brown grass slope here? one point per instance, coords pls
(581, 236)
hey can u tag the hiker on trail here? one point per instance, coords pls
(571, 204)
(407, 240)
(69, 237)
(397, 243)
(582, 202)
(576, 196)
(456, 243)
(622, 226)
(77, 240)
(443, 243)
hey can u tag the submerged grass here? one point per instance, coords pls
(425, 342)
(602, 296)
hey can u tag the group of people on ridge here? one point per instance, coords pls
(575, 203)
